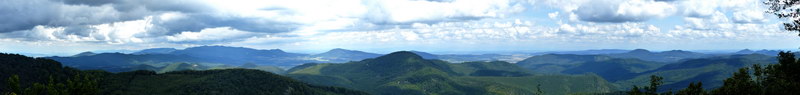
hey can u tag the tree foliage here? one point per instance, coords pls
(786, 9)
(36, 76)
(693, 89)
(651, 89)
(774, 79)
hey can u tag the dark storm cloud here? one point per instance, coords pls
(25, 14)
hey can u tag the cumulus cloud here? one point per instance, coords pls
(271, 16)
(360, 24)
(484, 35)
(401, 11)
(134, 31)
(749, 16)
(624, 11)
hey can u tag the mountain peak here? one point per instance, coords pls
(745, 51)
(401, 55)
(87, 53)
(339, 49)
(639, 51)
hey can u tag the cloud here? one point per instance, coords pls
(25, 14)
(624, 11)
(383, 24)
(212, 35)
(749, 16)
(135, 31)
(404, 11)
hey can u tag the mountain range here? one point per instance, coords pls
(40, 75)
(416, 72)
(408, 73)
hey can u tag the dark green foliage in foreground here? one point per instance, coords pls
(31, 70)
(35, 76)
(711, 71)
(229, 81)
(693, 89)
(651, 89)
(78, 85)
(774, 79)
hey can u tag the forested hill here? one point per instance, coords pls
(31, 76)
(408, 73)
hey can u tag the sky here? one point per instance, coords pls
(65, 27)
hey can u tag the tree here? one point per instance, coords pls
(13, 84)
(739, 83)
(652, 89)
(635, 91)
(655, 81)
(82, 84)
(774, 79)
(78, 85)
(693, 89)
(786, 9)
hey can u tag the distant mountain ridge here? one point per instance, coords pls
(119, 62)
(711, 71)
(343, 55)
(665, 56)
(609, 68)
(763, 51)
(586, 52)
(155, 51)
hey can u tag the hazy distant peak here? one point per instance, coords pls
(639, 51)
(229, 49)
(87, 53)
(340, 50)
(677, 51)
(745, 51)
(155, 51)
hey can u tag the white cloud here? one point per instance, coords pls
(749, 16)
(385, 24)
(223, 34)
(624, 10)
(553, 15)
(401, 11)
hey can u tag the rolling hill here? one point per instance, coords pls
(711, 71)
(611, 69)
(665, 56)
(227, 81)
(408, 73)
